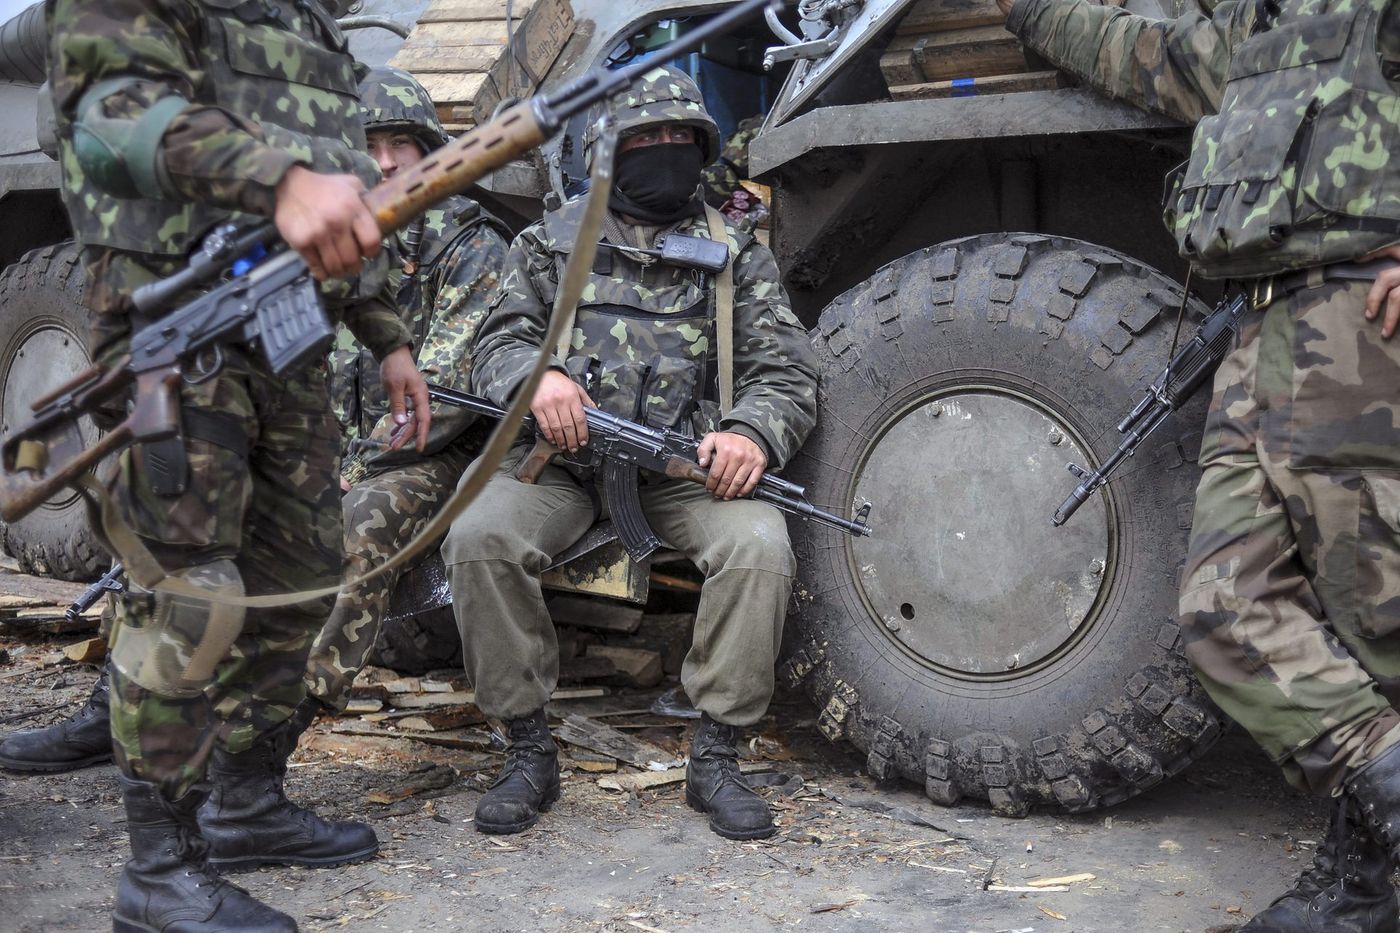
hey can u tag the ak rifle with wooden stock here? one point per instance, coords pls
(621, 448)
(271, 301)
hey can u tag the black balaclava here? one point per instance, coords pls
(658, 184)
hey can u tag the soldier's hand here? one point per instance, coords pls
(406, 390)
(1385, 293)
(558, 410)
(735, 463)
(323, 218)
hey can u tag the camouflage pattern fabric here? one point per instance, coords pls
(1291, 592)
(1292, 112)
(262, 94)
(722, 176)
(391, 99)
(443, 301)
(267, 522)
(1177, 67)
(644, 335)
(382, 513)
(663, 95)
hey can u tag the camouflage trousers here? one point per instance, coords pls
(189, 675)
(1290, 600)
(382, 514)
(498, 548)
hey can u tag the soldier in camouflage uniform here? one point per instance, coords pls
(449, 262)
(173, 118)
(644, 347)
(1290, 600)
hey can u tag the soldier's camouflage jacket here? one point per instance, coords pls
(723, 175)
(174, 116)
(1290, 164)
(643, 343)
(443, 285)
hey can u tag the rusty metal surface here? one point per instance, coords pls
(1030, 113)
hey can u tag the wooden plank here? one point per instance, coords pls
(638, 667)
(447, 59)
(977, 87)
(960, 53)
(598, 615)
(455, 35)
(538, 42)
(452, 89)
(942, 15)
(88, 652)
(465, 11)
(594, 735)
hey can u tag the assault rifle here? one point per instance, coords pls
(109, 582)
(271, 301)
(620, 448)
(1190, 367)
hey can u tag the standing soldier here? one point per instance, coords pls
(451, 260)
(648, 343)
(174, 118)
(1290, 600)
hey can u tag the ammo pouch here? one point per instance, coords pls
(166, 462)
(1293, 172)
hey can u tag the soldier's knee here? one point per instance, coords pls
(477, 541)
(756, 541)
(171, 644)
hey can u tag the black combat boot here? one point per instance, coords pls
(1346, 890)
(1376, 788)
(168, 885)
(250, 822)
(529, 783)
(714, 785)
(81, 740)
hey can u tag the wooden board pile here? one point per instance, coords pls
(458, 52)
(957, 48)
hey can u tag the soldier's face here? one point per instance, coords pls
(393, 151)
(678, 133)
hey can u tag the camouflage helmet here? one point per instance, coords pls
(662, 95)
(392, 99)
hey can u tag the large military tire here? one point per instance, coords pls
(43, 327)
(968, 645)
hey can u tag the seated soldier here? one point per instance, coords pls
(644, 347)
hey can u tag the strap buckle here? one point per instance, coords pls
(1261, 293)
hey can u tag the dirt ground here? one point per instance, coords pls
(1200, 852)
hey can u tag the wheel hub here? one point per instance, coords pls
(964, 569)
(45, 357)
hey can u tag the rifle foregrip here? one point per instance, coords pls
(456, 166)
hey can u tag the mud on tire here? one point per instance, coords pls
(1045, 668)
(43, 327)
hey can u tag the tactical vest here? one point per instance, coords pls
(281, 66)
(647, 353)
(1295, 170)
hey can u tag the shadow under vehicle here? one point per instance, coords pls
(975, 245)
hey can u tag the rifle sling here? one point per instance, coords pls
(724, 315)
(146, 572)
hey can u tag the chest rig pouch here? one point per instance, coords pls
(1294, 171)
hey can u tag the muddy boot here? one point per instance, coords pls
(167, 885)
(714, 785)
(81, 740)
(1346, 890)
(528, 785)
(250, 822)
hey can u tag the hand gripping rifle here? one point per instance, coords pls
(621, 448)
(1174, 387)
(274, 304)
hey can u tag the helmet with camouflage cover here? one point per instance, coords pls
(391, 99)
(662, 95)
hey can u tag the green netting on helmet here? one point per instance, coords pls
(662, 95)
(392, 99)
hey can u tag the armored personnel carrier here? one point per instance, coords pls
(974, 243)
